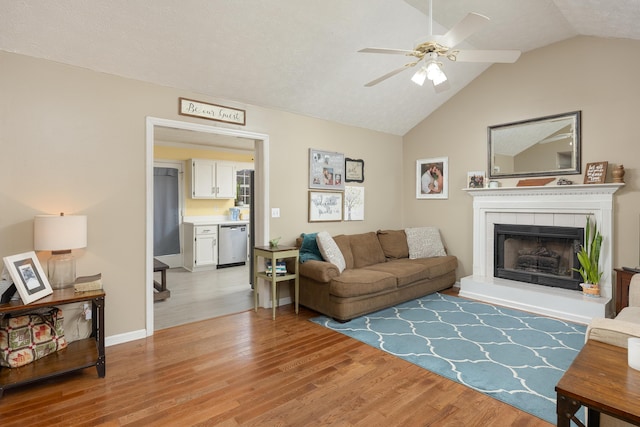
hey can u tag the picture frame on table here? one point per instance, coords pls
(476, 179)
(325, 206)
(432, 178)
(28, 276)
(326, 170)
(354, 170)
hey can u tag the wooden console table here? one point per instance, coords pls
(274, 254)
(78, 355)
(623, 279)
(601, 380)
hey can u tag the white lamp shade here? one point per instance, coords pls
(59, 233)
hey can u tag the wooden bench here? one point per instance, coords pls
(160, 288)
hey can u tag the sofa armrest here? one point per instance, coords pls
(320, 271)
(612, 331)
(634, 291)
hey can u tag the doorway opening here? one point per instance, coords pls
(261, 202)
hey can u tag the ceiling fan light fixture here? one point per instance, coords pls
(420, 76)
(435, 73)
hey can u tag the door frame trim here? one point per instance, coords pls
(261, 205)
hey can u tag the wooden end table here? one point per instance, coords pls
(274, 254)
(78, 355)
(601, 380)
(623, 279)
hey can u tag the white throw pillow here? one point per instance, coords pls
(330, 250)
(424, 242)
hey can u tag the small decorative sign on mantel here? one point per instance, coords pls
(219, 113)
(595, 173)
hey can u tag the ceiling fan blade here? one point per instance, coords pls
(504, 56)
(389, 74)
(463, 29)
(386, 50)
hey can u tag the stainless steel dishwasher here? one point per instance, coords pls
(232, 245)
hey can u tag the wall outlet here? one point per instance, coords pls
(86, 311)
(275, 212)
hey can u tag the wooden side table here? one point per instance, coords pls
(274, 254)
(623, 279)
(78, 355)
(601, 380)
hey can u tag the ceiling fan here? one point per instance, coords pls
(443, 46)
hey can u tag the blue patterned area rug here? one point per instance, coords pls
(513, 356)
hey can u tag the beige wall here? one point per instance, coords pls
(563, 77)
(73, 140)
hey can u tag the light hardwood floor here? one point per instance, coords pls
(203, 295)
(246, 369)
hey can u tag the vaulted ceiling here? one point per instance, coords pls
(295, 55)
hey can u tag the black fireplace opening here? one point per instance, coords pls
(538, 254)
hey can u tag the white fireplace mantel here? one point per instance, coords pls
(555, 205)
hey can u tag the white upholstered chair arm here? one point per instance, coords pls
(612, 331)
(634, 291)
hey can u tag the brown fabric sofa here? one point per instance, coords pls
(378, 274)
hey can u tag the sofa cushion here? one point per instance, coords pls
(394, 243)
(406, 273)
(309, 248)
(343, 242)
(424, 242)
(366, 249)
(330, 250)
(361, 282)
(435, 266)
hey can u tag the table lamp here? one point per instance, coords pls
(60, 234)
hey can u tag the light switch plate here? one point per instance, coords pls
(275, 212)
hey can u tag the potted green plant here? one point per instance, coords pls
(589, 259)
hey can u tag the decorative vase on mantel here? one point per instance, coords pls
(618, 174)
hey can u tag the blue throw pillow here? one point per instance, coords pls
(309, 248)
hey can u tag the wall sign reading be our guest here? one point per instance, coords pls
(219, 113)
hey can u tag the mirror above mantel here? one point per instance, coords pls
(542, 146)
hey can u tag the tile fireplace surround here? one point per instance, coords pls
(554, 205)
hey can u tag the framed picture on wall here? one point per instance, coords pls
(353, 203)
(354, 170)
(326, 170)
(432, 178)
(325, 206)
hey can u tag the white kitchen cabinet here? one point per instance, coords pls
(201, 246)
(212, 179)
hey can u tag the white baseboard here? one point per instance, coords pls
(126, 337)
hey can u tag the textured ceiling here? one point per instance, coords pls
(293, 55)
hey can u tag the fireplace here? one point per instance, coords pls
(542, 255)
(563, 206)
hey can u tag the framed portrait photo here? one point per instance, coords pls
(432, 178)
(325, 206)
(28, 276)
